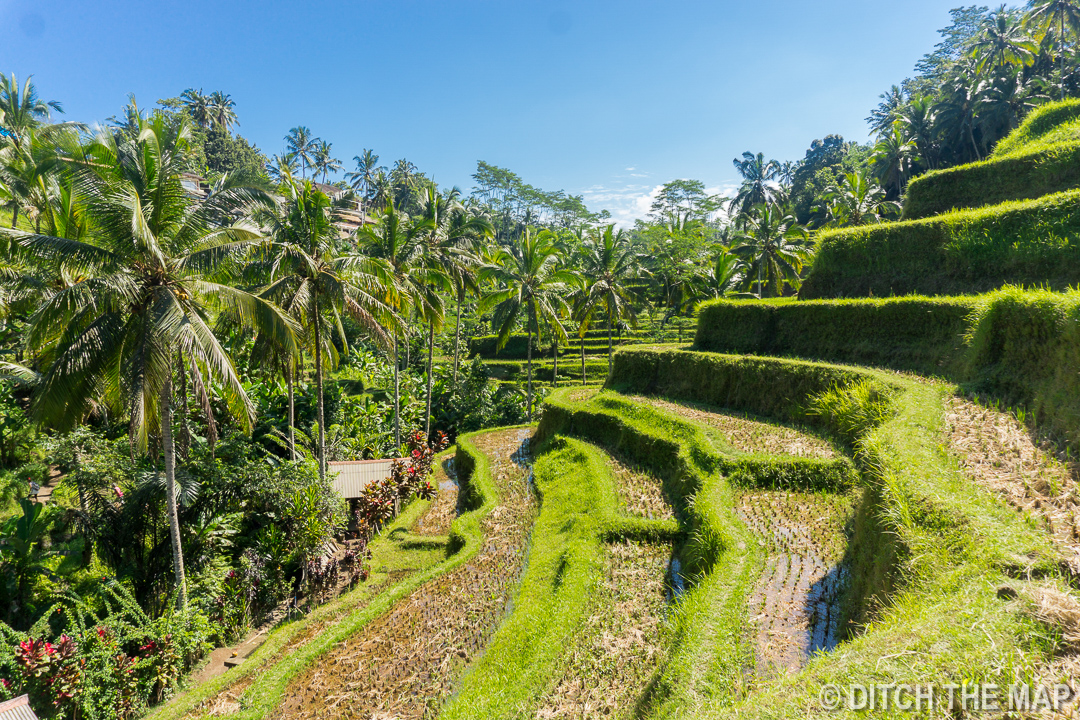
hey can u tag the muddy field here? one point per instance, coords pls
(404, 664)
(745, 433)
(622, 643)
(640, 492)
(795, 606)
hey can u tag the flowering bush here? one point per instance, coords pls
(409, 476)
(107, 667)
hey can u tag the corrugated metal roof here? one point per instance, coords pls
(351, 477)
(17, 709)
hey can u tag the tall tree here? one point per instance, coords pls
(221, 111)
(1002, 43)
(609, 263)
(197, 106)
(153, 270)
(531, 287)
(21, 108)
(324, 161)
(363, 178)
(759, 184)
(1062, 16)
(772, 246)
(301, 144)
(307, 276)
(396, 241)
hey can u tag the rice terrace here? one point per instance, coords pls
(360, 445)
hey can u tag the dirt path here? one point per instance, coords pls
(745, 433)
(795, 606)
(404, 664)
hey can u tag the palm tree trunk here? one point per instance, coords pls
(430, 354)
(170, 488)
(14, 216)
(528, 361)
(582, 338)
(319, 390)
(457, 338)
(185, 431)
(555, 369)
(609, 323)
(292, 409)
(397, 397)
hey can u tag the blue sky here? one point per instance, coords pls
(608, 99)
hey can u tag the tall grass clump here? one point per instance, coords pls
(851, 411)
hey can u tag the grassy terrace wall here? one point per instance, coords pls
(1040, 157)
(1021, 346)
(1032, 242)
(942, 545)
(1020, 176)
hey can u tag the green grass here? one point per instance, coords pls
(564, 567)
(1048, 124)
(1030, 242)
(931, 550)
(1020, 346)
(1040, 157)
(916, 333)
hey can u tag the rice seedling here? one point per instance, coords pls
(406, 661)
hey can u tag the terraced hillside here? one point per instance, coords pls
(710, 536)
(1012, 218)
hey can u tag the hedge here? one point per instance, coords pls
(1021, 346)
(515, 348)
(1031, 242)
(920, 334)
(1019, 176)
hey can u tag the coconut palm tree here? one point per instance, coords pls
(919, 120)
(414, 293)
(531, 287)
(773, 247)
(884, 115)
(1002, 43)
(301, 144)
(21, 108)
(855, 199)
(309, 279)
(363, 178)
(282, 167)
(1064, 16)
(325, 162)
(197, 106)
(759, 184)
(894, 158)
(221, 111)
(609, 263)
(448, 235)
(154, 269)
(720, 276)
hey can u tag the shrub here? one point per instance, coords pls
(1023, 242)
(853, 410)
